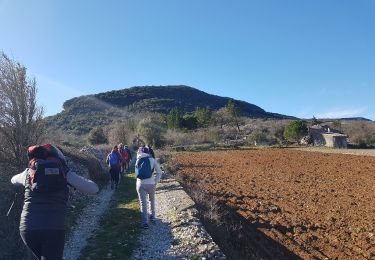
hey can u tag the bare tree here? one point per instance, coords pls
(221, 117)
(121, 133)
(151, 130)
(20, 118)
(234, 111)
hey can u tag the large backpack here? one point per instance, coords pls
(124, 154)
(143, 168)
(48, 169)
(113, 159)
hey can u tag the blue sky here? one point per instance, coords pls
(295, 57)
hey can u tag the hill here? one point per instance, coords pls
(343, 119)
(85, 112)
(355, 119)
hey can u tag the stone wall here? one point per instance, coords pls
(335, 140)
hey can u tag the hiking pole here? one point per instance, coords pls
(11, 206)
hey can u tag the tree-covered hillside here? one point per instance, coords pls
(157, 99)
(81, 114)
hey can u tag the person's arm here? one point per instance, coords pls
(159, 172)
(82, 184)
(19, 179)
(107, 160)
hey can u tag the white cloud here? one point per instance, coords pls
(341, 113)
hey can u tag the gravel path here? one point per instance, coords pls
(177, 232)
(87, 223)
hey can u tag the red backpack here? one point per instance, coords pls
(48, 169)
(124, 154)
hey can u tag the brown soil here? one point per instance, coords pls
(316, 205)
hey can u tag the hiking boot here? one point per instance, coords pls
(145, 226)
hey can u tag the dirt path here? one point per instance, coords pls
(367, 152)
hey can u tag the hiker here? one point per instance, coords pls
(146, 183)
(114, 162)
(125, 153)
(46, 183)
(129, 157)
(151, 152)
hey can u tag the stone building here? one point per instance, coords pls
(322, 135)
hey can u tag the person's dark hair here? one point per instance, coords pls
(143, 149)
(115, 147)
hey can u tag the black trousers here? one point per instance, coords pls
(115, 171)
(45, 244)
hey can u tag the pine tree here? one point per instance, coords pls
(174, 119)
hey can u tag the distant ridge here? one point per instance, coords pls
(347, 119)
(83, 113)
(161, 99)
(355, 119)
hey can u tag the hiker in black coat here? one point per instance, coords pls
(43, 214)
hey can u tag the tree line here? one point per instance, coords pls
(203, 117)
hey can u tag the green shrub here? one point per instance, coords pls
(174, 119)
(189, 121)
(97, 136)
(203, 117)
(295, 130)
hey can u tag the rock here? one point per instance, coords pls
(306, 140)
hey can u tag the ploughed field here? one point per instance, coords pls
(316, 205)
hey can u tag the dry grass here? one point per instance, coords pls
(96, 172)
(361, 133)
(11, 246)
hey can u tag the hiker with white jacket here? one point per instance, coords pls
(146, 183)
